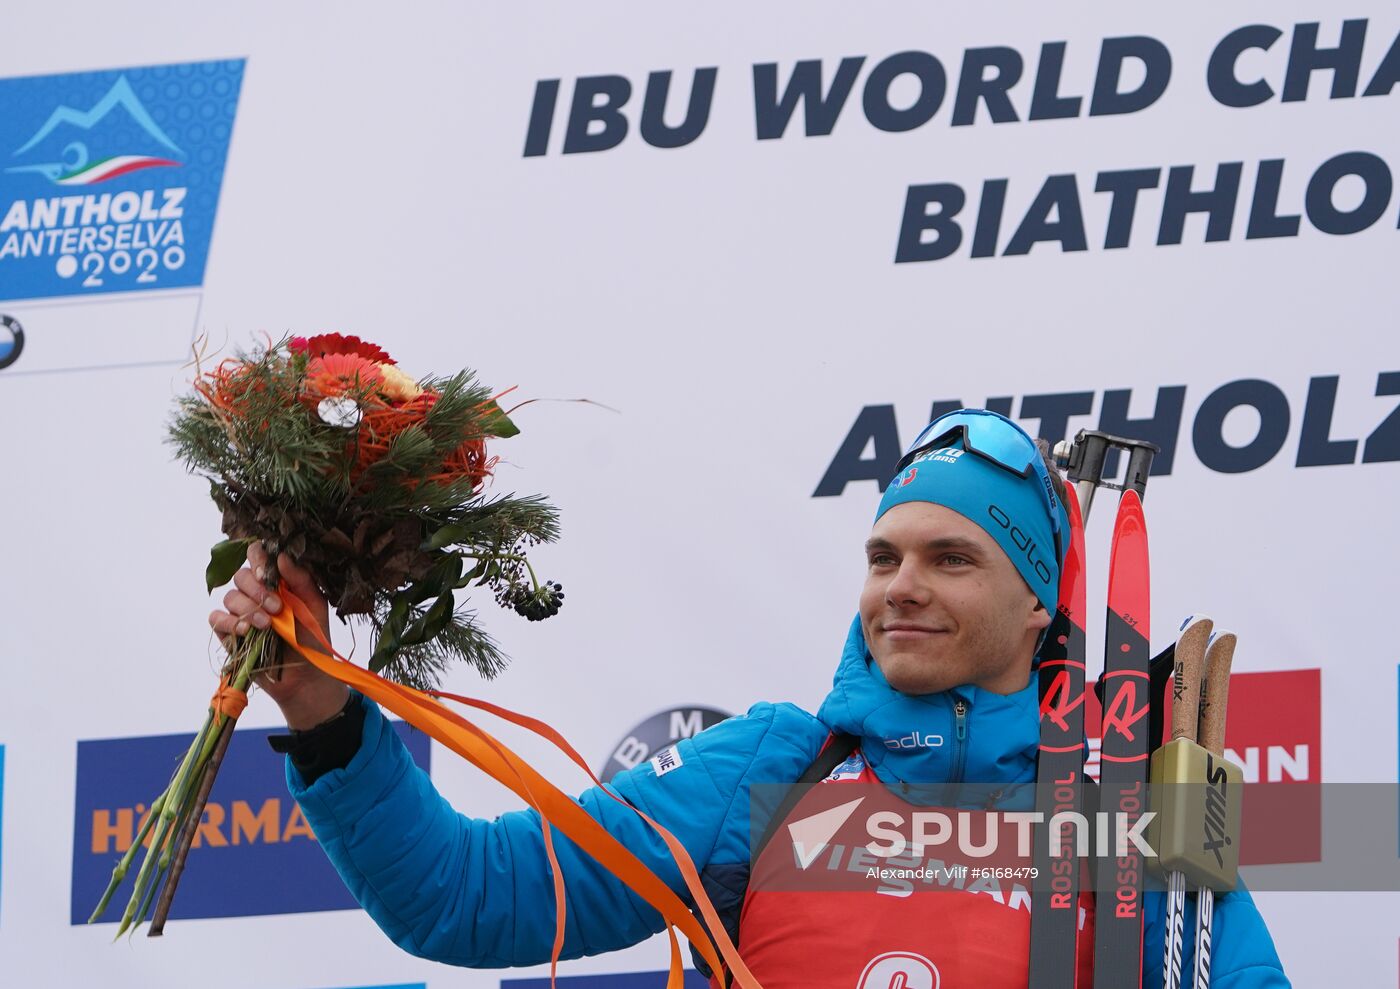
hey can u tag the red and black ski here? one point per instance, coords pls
(1059, 786)
(1123, 759)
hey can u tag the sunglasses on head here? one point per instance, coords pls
(999, 441)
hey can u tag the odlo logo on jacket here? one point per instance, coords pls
(914, 740)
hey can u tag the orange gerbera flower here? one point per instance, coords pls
(336, 374)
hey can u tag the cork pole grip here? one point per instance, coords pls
(1215, 694)
(1187, 673)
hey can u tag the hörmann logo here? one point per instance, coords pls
(1058, 416)
(251, 828)
(225, 823)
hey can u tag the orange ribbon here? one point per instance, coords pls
(555, 808)
(228, 701)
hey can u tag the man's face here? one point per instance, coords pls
(942, 605)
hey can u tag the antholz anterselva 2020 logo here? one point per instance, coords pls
(109, 180)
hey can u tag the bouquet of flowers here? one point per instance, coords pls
(324, 449)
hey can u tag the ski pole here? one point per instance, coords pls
(1214, 695)
(1186, 691)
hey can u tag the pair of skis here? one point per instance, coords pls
(1201, 684)
(1124, 759)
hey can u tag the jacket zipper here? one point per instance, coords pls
(959, 749)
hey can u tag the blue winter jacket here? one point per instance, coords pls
(479, 893)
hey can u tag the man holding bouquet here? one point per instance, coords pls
(941, 656)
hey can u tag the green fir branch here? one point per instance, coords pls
(461, 640)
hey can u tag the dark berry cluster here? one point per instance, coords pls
(537, 605)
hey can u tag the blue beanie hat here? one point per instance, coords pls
(1022, 513)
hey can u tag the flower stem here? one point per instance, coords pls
(119, 873)
(182, 848)
(169, 810)
(176, 818)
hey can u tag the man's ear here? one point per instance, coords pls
(1039, 617)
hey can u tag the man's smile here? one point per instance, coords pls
(910, 630)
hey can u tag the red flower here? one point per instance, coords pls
(333, 343)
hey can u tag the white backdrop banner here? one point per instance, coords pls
(770, 241)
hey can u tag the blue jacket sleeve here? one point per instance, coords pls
(480, 893)
(1242, 952)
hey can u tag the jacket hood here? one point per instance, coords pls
(911, 740)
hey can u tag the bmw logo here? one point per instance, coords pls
(657, 733)
(11, 340)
